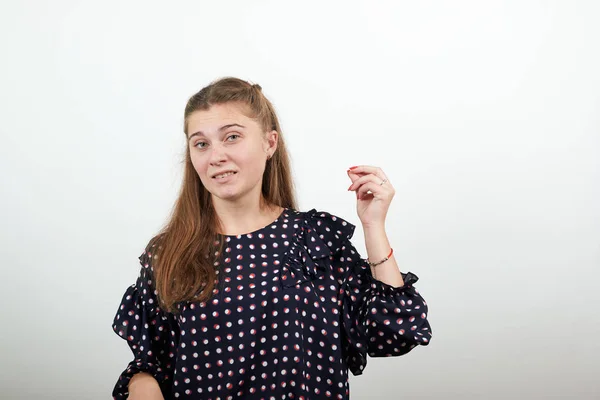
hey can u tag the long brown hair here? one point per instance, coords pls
(184, 253)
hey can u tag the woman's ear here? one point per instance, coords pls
(272, 138)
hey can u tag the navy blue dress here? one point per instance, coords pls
(296, 309)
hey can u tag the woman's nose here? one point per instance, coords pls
(217, 156)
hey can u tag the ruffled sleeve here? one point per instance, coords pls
(149, 331)
(379, 320)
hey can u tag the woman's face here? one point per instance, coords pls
(223, 139)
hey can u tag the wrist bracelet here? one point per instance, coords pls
(373, 264)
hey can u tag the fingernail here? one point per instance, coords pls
(349, 187)
(353, 167)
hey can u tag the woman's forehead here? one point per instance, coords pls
(218, 115)
(218, 119)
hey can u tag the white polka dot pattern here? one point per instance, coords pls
(296, 310)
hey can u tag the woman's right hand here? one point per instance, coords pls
(143, 386)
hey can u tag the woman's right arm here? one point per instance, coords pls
(153, 336)
(143, 386)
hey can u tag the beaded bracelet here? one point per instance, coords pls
(374, 264)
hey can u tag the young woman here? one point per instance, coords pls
(242, 296)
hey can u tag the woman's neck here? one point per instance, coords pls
(237, 220)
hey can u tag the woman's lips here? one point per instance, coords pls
(226, 178)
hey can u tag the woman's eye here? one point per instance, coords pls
(202, 147)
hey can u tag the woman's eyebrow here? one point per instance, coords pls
(221, 129)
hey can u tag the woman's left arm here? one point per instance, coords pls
(378, 247)
(374, 193)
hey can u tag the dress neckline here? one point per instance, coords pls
(257, 231)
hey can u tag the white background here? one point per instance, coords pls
(484, 115)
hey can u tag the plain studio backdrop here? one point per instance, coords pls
(484, 115)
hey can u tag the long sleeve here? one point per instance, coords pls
(378, 320)
(150, 332)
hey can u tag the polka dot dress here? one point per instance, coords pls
(297, 308)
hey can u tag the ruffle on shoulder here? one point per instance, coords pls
(321, 244)
(318, 236)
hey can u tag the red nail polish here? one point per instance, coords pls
(353, 167)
